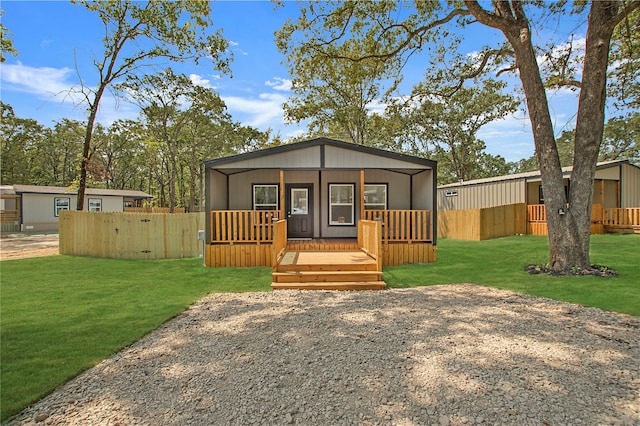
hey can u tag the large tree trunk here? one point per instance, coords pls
(568, 220)
(590, 125)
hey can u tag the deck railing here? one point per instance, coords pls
(9, 216)
(537, 213)
(279, 241)
(242, 226)
(369, 239)
(621, 217)
(403, 225)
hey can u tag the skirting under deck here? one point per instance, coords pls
(248, 255)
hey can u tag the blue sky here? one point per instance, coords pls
(49, 35)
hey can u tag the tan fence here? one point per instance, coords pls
(130, 235)
(483, 224)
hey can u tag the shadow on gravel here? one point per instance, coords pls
(445, 354)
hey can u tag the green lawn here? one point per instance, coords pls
(61, 315)
(500, 263)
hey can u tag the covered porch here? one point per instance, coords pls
(324, 190)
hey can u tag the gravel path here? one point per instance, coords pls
(444, 355)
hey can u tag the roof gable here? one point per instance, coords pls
(321, 153)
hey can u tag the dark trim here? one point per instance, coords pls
(322, 157)
(386, 201)
(228, 197)
(411, 192)
(253, 185)
(320, 142)
(56, 212)
(353, 205)
(320, 203)
(95, 198)
(620, 192)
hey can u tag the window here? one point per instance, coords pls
(265, 197)
(95, 204)
(375, 197)
(341, 204)
(451, 193)
(60, 204)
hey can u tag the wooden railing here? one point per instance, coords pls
(537, 213)
(370, 239)
(9, 216)
(242, 226)
(403, 225)
(621, 217)
(279, 241)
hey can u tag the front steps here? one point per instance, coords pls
(327, 270)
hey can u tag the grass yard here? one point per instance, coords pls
(500, 263)
(61, 315)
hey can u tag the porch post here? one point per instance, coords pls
(282, 216)
(362, 194)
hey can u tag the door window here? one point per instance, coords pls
(299, 201)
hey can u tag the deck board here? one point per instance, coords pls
(326, 258)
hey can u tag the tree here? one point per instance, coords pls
(6, 43)
(137, 33)
(448, 126)
(568, 218)
(19, 136)
(621, 139)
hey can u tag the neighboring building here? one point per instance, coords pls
(323, 188)
(30, 208)
(616, 186)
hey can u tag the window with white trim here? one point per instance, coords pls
(95, 204)
(60, 204)
(265, 197)
(375, 196)
(341, 208)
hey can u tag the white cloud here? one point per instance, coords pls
(279, 83)
(45, 82)
(263, 111)
(199, 80)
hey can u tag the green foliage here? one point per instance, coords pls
(56, 324)
(6, 43)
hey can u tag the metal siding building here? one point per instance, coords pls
(617, 184)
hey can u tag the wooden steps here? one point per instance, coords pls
(622, 229)
(327, 270)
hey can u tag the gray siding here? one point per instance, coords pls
(298, 158)
(336, 157)
(483, 195)
(630, 186)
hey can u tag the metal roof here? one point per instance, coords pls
(228, 161)
(566, 171)
(64, 190)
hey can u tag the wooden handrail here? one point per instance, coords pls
(242, 226)
(279, 242)
(403, 225)
(8, 216)
(629, 216)
(370, 239)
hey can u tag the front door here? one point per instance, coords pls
(299, 206)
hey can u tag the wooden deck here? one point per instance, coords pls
(327, 270)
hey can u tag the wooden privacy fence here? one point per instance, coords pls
(403, 225)
(130, 235)
(242, 226)
(482, 224)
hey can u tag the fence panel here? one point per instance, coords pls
(482, 224)
(130, 235)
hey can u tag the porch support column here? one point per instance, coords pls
(362, 194)
(282, 216)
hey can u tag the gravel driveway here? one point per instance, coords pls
(455, 354)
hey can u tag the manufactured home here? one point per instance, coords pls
(616, 197)
(323, 190)
(31, 208)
